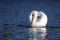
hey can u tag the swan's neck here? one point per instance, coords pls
(34, 19)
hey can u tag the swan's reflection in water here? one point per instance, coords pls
(38, 33)
(32, 33)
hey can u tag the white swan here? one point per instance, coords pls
(37, 20)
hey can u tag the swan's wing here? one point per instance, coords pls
(43, 19)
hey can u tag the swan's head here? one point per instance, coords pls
(34, 15)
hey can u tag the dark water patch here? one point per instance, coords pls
(22, 33)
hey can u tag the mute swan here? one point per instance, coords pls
(37, 20)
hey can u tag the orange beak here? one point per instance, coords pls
(33, 16)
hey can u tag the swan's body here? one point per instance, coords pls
(37, 20)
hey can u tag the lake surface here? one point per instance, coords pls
(15, 12)
(10, 32)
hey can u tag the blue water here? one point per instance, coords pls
(15, 12)
(9, 32)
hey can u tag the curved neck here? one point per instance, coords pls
(34, 20)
